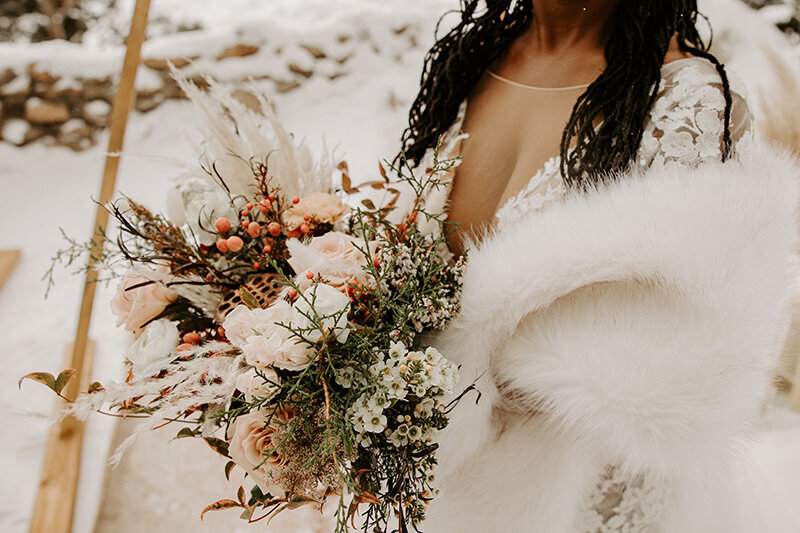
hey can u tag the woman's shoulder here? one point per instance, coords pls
(687, 120)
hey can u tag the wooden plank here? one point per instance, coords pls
(794, 394)
(58, 486)
(55, 502)
(8, 260)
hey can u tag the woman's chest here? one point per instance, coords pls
(513, 133)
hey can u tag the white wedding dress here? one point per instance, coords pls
(684, 127)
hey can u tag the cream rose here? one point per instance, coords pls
(254, 386)
(330, 306)
(154, 348)
(135, 307)
(317, 206)
(244, 322)
(334, 256)
(252, 448)
(277, 347)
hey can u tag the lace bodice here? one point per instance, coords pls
(684, 127)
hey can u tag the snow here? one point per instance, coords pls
(361, 115)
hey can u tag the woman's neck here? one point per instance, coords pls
(559, 24)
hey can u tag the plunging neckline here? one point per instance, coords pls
(550, 165)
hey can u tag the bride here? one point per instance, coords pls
(630, 265)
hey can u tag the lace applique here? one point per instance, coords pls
(621, 504)
(542, 190)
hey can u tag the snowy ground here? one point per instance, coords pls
(42, 189)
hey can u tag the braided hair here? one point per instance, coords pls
(621, 96)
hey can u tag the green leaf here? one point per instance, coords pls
(220, 505)
(63, 378)
(228, 469)
(44, 378)
(297, 500)
(248, 298)
(218, 445)
(184, 433)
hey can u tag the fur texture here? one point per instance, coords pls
(643, 322)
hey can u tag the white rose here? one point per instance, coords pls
(277, 347)
(203, 207)
(330, 306)
(154, 347)
(244, 322)
(254, 386)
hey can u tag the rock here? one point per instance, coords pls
(147, 101)
(14, 131)
(34, 133)
(38, 111)
(248, 99)
(17, 86)
(297, 69)
(39, 76)
(240, 50)
(6, 76)
(286, 86)
(163, 64)
(97, 89)
(97, 111)
(315, 52)
(75, 134)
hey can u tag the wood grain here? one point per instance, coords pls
(55, 502)
(8, 260)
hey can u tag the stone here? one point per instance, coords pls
(147, 101)
(286, 86)
(38, 111)
(75, 134)
(163, 64)
(14, 131)
(316, 53)
(97, 89)
(297, 69)
(97, 112)
(40, 76)
(240, 50)
(248, 99)
(6, 76)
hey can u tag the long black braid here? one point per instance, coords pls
(621, 96)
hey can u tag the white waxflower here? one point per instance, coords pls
(402, 430)
(427, 406)
(375, 423)
(397, 350)
(414, 433)
(345, 377)
(397, 389)
(378, 402)
(420, 390)
(363, 440)
(432, 355)
(398, 440)
(377, 369)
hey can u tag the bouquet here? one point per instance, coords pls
(285, 327)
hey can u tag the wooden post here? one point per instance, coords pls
(8, 259)
(55, 502)
(794, 394)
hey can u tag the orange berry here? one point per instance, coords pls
(191, 338)
(249, 206)
(306, 217)
(223, 225)
(235, 243)
(245, 223)
(274, 229)
(295, 233)
(271, 197)
(304, 229)
(268, 248)
(376, 262)
(310, 275)
(256, 265)
(245, 213)
(263, 209)
(254, 229)
(183, 347)
(292, 293)
(222, 245)
(296, 200)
